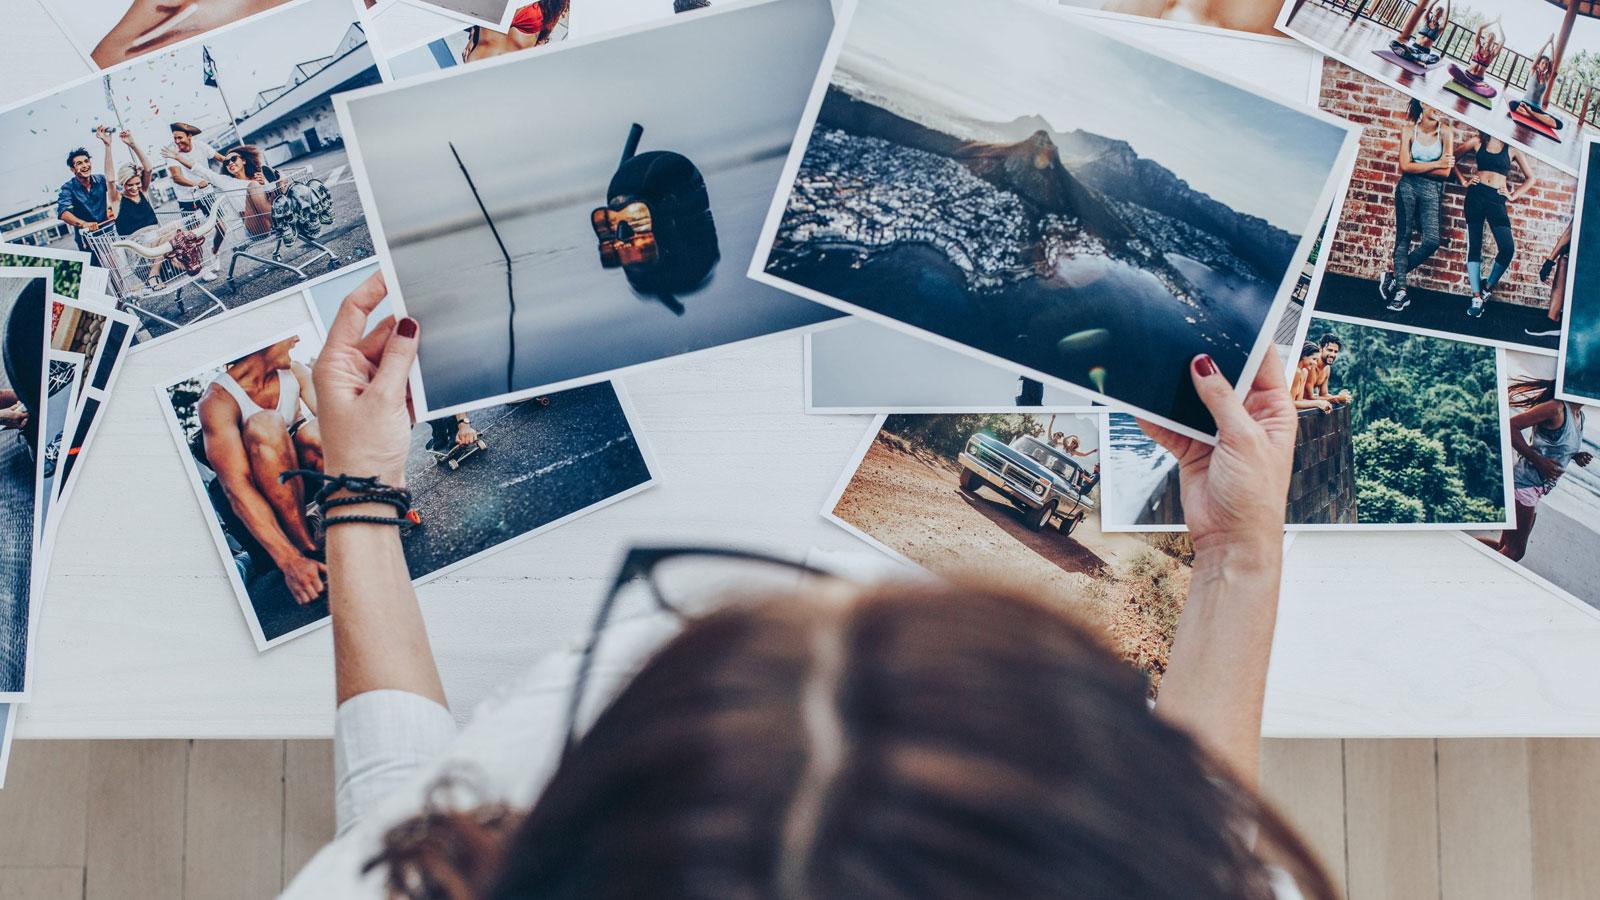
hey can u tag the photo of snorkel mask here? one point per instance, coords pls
(656, 225)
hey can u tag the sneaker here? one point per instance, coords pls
(211, 274)
(1386, 285)
(1476, 309)
(1400, 301)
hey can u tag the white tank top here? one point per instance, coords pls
(288, 397)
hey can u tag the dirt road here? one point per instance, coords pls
(913, 503)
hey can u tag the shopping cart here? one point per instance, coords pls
(238, 222)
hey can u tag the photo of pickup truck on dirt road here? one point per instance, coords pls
(1015, 498)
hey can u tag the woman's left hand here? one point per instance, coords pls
(362, 389)
(1583, 459)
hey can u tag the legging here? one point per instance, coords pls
(1418, 206)
(1485, 205)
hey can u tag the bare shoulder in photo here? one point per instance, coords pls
(1248, 17)
(1053, 199)
(112, 32)
(1445, 230)
(207, 177)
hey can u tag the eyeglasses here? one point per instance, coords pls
(684, 582)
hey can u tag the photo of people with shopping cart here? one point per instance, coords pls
(205, 178)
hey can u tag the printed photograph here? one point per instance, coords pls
(1519, 70)
(1246, 16)
(627, 242)
(478, 480)
(1445, 229)
(1016, 497)
(23, 304)
(534, 25)
(8, 727)
(1052, 199)
(204, 178)
(91, 327)
(1557, 487)
(70, 267)
(863, 367)
(109, 32)
(61, 384)
(482, 12)
(1396, 431)
(1578, 368)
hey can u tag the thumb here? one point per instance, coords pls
(1217, 395)
(398, 355)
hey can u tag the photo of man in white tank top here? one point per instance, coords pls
(258, 420)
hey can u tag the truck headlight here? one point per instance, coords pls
(1038, 489)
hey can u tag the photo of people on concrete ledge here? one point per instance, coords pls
(1396, 431)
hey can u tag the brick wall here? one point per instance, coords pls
(1363, 244)
(1321, 492)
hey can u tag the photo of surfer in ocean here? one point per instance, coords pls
(1045, 195)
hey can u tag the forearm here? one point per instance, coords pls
(379, 638)
(259, 519)
(74, 221)
(1216, 677)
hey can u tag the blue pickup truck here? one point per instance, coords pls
(1047, 485)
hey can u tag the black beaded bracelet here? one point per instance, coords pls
(363, 489)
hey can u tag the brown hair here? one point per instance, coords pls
(1526, 393)
(915, 741)
(251, 156)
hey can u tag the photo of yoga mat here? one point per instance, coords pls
(93, 327)
(204, 178)
(24, 301)
(1015, 498)
(1245, 17)
(74, 273)
(863, 367)
(111, 32)
(1578, 363)
(1052, 199)
(1444, 230)
(479, 480)
(1557, 484)
(627, 242)
(1519, 70)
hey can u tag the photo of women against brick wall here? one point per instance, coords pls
(1444, 230)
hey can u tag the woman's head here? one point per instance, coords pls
(1526, 393)
(1422, 114)
(130, 179)
(1436, 16)
(1542, 67)
(243, 161)
(1310, 352)
(913, 741)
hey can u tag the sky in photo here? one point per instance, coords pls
(1254, 154)
(157, 89)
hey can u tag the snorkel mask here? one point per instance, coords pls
(657, 225)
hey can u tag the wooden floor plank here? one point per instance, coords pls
(135, 819)
(1391, 805)
(41, 883)
(233, 832)
(307, 802)
(1485, 827)
(45, 788)
(1305, 780)
(1564, 796)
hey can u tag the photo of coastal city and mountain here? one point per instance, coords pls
(1045, 194)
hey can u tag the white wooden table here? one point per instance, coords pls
(1379, 635)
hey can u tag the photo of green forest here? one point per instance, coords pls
(1428, 425)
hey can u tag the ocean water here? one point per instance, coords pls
(1135, 466)
(575, 319)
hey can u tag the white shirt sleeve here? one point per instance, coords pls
(381, 740)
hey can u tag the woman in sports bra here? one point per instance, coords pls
(532, 26)
(1420, 46)
(1425, 157)
(1489, 193)
(1487, 42)
(1539, 83)
(1556, 443)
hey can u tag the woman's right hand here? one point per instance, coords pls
(1547, 468)
(1234, 492)
(361, 381)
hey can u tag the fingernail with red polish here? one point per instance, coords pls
(1204, 366)
(407, 327)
